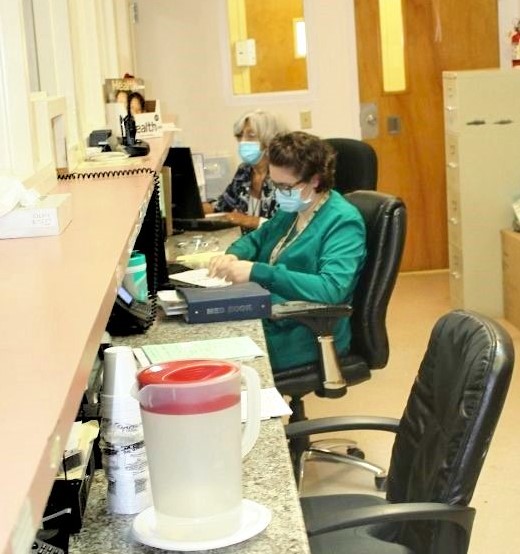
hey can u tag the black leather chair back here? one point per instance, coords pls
(356, 165)
(449, 420)
(385, 221)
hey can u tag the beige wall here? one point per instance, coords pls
(178, 45)
(179, 54)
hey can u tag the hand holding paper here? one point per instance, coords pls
(199, 277)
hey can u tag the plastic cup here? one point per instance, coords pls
(135, 279)
(119, 373)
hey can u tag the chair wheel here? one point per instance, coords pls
(356, 452)
(380, 483)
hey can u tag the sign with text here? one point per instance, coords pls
(148, 125)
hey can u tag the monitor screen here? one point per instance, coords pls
(125, 296)
(186, 201)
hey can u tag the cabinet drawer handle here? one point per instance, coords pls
(503, 122)
(477, 122)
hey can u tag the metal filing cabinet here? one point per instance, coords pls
(482, 124)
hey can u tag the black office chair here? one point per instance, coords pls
(385, 220)
(440, 445)
(356, 165)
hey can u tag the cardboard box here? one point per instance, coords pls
(510, 274)
(48, 217)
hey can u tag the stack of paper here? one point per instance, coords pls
(171, 302)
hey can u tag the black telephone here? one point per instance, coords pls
(131, 145)
(130, 316)
(42, 547)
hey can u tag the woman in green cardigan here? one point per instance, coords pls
(312, 249)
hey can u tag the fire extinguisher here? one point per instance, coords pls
(515, 45)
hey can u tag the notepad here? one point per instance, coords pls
(230, 348)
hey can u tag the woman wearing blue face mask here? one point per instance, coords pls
(249, 199)
(312, 249)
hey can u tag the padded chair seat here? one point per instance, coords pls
(368, 539)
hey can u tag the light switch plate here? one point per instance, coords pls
(305, 119)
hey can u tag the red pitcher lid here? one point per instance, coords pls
(199, 386)
(185, 371)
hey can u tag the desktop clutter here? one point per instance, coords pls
(128, 144)
(203, 299)
(130, 119)
(184, 498)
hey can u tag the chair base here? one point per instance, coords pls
(327, 450)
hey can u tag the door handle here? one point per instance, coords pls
(368, 120)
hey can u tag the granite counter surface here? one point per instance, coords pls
(267, 470)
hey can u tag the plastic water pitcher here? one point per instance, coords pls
(135, 280)
(195, 444)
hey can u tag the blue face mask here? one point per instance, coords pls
(292, 203)
(250, 152)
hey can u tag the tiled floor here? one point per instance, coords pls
(418, 301)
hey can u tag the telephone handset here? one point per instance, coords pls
(42, 547)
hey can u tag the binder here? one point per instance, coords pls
(235, 302)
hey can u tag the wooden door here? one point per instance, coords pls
(438, 35)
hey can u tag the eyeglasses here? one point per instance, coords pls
(247, 136)
(285, 188)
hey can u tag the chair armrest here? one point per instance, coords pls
(320, 318)
(387, 513)
(300, 308)
(342, 423)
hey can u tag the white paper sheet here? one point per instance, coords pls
(230, 348)
(272, 404)
(199, 277)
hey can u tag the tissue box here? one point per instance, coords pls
(49, 216)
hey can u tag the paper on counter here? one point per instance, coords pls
(272, 404)
(171, 297)
(230, 348)
(171, 302)
(199, 277)
(141, 357)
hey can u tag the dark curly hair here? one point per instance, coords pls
(138, 96)
(306, 155)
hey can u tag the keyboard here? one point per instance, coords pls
(202, 224)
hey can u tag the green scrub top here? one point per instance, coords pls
(321, 265)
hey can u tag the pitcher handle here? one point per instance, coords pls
(252, 426)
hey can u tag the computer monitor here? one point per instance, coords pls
(185, 194)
